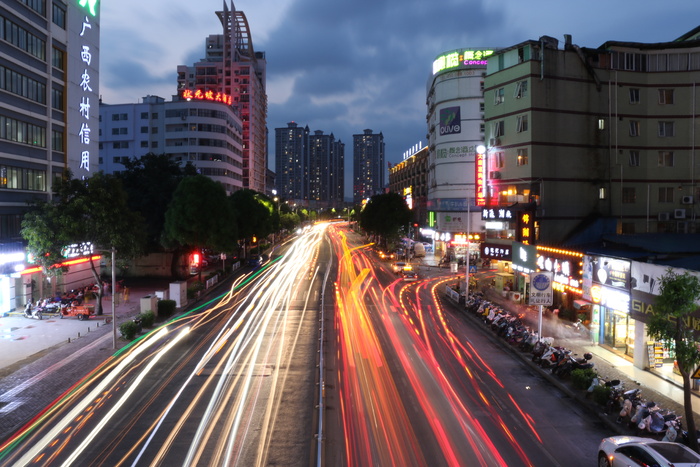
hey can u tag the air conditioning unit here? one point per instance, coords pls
(664, 216)
(687, 200)
(494, 142)
(494, 175)
(679, 214)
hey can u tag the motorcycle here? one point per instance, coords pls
(33, 312)
(631, 400)
(571, 363)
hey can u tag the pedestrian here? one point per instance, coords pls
(105, 288)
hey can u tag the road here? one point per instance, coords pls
(402, 379)
(230, 384)
(418, 385)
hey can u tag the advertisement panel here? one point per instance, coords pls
(450, 121)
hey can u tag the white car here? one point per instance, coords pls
(619, 451)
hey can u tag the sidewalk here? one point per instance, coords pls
(23, 339)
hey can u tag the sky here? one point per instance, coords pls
(343, 66)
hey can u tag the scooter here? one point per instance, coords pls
(631, 400)
(33, 312)
(571, 363)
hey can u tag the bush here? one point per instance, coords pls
(129, 329)
(601, 394)
(193, 289)
(166, 307)
(147, 318)
(582, 378)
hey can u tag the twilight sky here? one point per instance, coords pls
(345, 65)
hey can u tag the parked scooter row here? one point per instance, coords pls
(559, 360)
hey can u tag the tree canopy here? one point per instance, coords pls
(669, 324)
(254, 216)
(384, 215)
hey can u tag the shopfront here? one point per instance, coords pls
(12, 257)
(606, 283)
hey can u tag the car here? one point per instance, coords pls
(618, 451)
(398, 267)
(410, 275)
(383, 255)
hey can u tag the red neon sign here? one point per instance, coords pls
(480, 179)
(207, 96)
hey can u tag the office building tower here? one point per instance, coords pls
(233, 71)
(368, 165)
(291, 162)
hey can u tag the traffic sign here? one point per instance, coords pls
(472, 269)
(541, 288)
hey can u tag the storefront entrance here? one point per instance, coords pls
(618, 332)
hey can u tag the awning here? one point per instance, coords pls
(578, 304)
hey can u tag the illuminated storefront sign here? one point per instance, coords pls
(480, 180)
(414, 149)
(408, 196)
(450, 121)
(188, 94)
(461, 59)
(614, 299)
(87, 81)
(524, 257)
(566, 271)
(610, 271)
(526, 227)
(496, 251)
(497, 214)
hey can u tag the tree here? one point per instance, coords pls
(384, 215)
(254, 217)
(92, 210)
(200, 216)
(670, 324)
(150, 182)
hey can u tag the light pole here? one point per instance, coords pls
(114, 311)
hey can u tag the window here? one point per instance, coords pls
(522, 157)
(665, 158)
(481, 107)
(666, 129)
(154, 115)
(665, 194)
(144, 129)
(665, 96)
(144, 115)
(498, 160)
(634, 95)
(498, 129)
(59, 16)
(154, 130)
(57, 140)
(115, 117)
(154, 144)
(57, 99)
(499, 96)
(520, 90)
(629, 195)
(120, 145)
(521, 124)
(144, 144)
(634, 127)
(57, 59)
(634, 158)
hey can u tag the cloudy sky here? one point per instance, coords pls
(345, 65)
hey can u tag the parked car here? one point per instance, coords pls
(410, 275)
(418, 250)
(618, 451)
(398, 267)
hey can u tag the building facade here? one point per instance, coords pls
(206, 133)
(594, 140)
(368, 165)
(310, 167)
(232, 70)
(455, 120)
(409, 178)
(49, 88)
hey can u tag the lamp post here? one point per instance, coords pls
(114, 311)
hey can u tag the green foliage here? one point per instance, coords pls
(254, 218)
(147, 318)
(193, 289)
(582, 378)
(200, 216)
(129, 329)
(601, 394)
(385, 215)
(166, 308)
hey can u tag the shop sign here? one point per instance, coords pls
(450, 121)
(526, 227)
(612, 298)
(480, 179)
(497, 214)
(461, 59)
(541, 289)
(496, 251)
(612, 272)
(642, 307)
(563, 270)
(524, 257)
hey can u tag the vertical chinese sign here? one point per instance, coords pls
(83, 88)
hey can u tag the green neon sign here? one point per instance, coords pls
(463, 58)
(91, 4)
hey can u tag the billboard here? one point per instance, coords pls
(450, 120)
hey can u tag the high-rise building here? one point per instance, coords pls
(232, 70)
(206, 133)
(368, 165)
(49, 92)
(291, 161)
(310, 167)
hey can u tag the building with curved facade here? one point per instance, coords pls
(455, 103)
